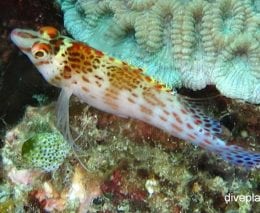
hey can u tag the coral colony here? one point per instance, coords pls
(190, 43)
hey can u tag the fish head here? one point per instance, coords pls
(46, 49)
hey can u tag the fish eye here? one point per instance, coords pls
(41, 50)
(39, 54)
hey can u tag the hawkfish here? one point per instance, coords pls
(116, 87)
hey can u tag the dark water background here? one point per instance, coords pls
(19, 79)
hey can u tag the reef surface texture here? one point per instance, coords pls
(180, 43)
(128, 168)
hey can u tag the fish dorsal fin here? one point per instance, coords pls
(195, 107)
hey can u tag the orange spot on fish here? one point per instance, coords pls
(198, 122)
(207, 142)
(57, 78)
(24, 34)
(50, 31)
(147, 78)
(99, 53)
(163, 118)
(176, 116)
(85, 89)
(131, 100)
(166, 112)
(25, 49)
(184, 111)
(189, 126)
(179, 129)
(146, 110)
(192, 137)
(158, 87)
(41, 63)
(85, 79)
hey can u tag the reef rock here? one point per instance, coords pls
(180, 43)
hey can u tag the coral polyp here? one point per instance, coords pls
(180, 43)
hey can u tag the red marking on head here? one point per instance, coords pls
(25, 49)
(50, 31)
(41, 63)
(179, 129)
(24, 34)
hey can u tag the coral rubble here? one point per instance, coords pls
(190, 43)
(123, 171)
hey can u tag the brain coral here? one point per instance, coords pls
(179, 42)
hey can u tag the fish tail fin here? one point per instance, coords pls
(239, 156)
(207, 136)
(233, 154)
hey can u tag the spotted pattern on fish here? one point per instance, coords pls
(119, 88)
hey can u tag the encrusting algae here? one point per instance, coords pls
(121, 89)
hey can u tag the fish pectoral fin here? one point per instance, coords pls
(62, 112)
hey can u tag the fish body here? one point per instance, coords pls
(116, 87)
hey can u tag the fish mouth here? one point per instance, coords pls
(24, 39)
